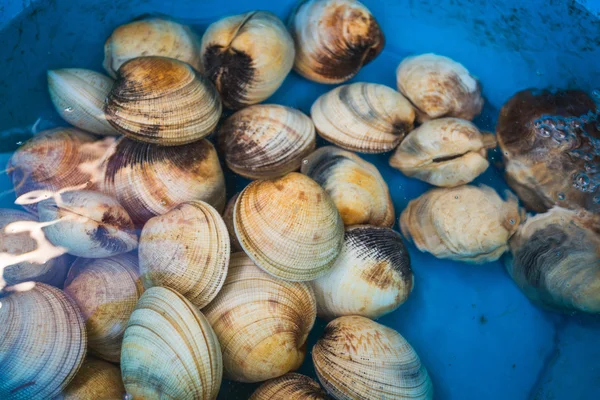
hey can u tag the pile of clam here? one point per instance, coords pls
(156, 285)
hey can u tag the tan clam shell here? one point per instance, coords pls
(88, 224)
(466, 223)
(439, 87)
(363, 117)
(334, 39)
(266, 141)
(289, 226)
(170, 350)
(43, 343)
(151, 37)
(262, 322)
(96, 379)
(290, 386)
(162, 101)
(444, 152)
(228, 219)
(247, 57)
(186, 249)
(355, 186)
(149, 180)
(106, 290)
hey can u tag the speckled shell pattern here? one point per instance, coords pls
(96, 379)
(290, 386)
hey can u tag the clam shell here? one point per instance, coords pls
(363, 117)
(78, 96)
(289, 227)
(371, 277)
(355, 186)
(186, 249)
(151, 37)
(444, 152)
(88, 224)
(149, 180)
(262, 322)
(106, 290)
(162, 101)
(96, 379)
(266, 141)
(43, 343)
(290, 386)
(247, 57)
(334, 39)
(439, 87)
(466, 223)
(228, 219)
(357, 358)
(170, 350)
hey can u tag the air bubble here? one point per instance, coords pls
(69, 109)
(581, 182)
(596, 94)
(561, 196)
(19, 143)
(545, 132)
(456, 197)
(128, 396)
(305, 161)
(512, 222)
(163, 202)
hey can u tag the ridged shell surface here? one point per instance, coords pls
(97, 380)
(290, 386)
(228, 219)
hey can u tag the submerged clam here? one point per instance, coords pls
(162, 101)
(444, 152)
(247, 57)
(466, 223)
(363, 117)
(357, 358)
(289, 226)
(334, 39)
(228, 219)
(355, 186)
(96, 379)
(266, 141)
(290, 386)
(439, 87)
(262, 322)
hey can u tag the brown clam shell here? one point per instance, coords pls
(290, 386)
(96, 379)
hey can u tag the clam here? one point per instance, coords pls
(439, 87)
(357, 358)
(151, 37)
(262, 322)
(290, 386)
(96, 379)
(551, 147)
(186, 249)
(247, 57)
(169, 350)
(228, 219)
(444, 152)
(88, 224)
(371, 277)
(266, 141)
(149, 180)
(43, 343)
(363, 117)
(289, 227)
(78, 96)
(355, 186)
(162, 101)
(555, 260)
(334, 39)
(106, 291)
(466, 223)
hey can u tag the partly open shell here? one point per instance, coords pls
(96, 379)
(290, 386)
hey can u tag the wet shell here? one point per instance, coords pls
(266, 141)
(96, 379)
(169, 350)
(444, 152)
(43, 343)
(334, 39)
(555, 260)
(186, 249)
(355, 186)
(162, 101)
(228, 219)
(151, 37)
(262, 322)
(106, 291)
(290, 386)
(371, 277)
(78, 96)
(247, 57)
(363, 117)
(466, 223)
(439, 87)
(357, 358)
(88, 224)
(289, 227)
(550, 142)
(149, 180)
